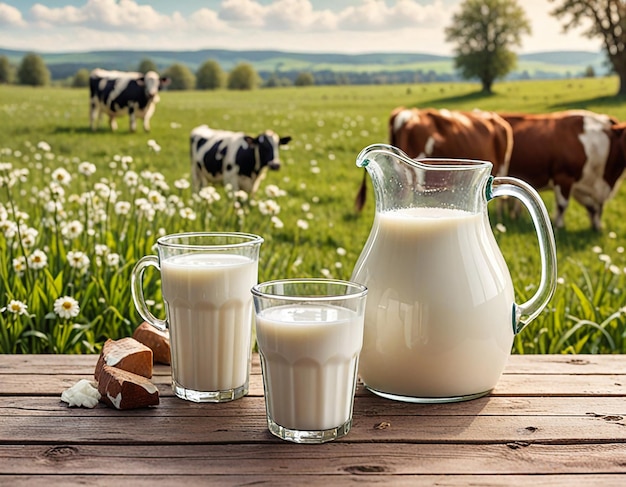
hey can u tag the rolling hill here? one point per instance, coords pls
(386, 67)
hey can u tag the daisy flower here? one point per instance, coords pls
(77, 259)
(66, 307)
(37, 259)
(61, 176)
(86, 168)
(16, 307)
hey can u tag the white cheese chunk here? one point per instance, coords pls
(82, 394)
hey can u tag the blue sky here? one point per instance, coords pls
(349, 26)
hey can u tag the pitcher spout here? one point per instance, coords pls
(402, 182)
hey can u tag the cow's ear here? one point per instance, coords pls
(284, 140)
(165, 81)
(141, 81)
(249, 140)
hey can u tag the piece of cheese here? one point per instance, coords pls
(82, 394)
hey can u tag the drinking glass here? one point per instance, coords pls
(309, 334)
(205, 281)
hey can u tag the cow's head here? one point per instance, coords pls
(268, 144)
(152, 83)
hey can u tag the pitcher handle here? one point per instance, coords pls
(507, 186)
(136, 290)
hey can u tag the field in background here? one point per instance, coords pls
(316, 231)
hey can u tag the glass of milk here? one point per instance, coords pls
(309, 334)
(205, 282)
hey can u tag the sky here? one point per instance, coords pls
(339, 26)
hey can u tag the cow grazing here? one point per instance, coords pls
(118, 93)
(233, 158)
(579, 153)
(423, 133)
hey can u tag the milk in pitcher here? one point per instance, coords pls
(209, 308)
(439, 303)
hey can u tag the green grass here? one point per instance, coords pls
(329, 126)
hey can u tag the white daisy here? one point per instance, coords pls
(66, 307)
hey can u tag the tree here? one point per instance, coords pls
(147, 65)
(275, 81)
(304, 79)
(81, 78)
(484, 32)
(33, 71)
(6, 71)
(210, 76)
(608, 21)
(181, 77)
(589, 72)
(243, 77)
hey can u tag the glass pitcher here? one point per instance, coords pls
(441, 313)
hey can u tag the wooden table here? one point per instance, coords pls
(552, 420)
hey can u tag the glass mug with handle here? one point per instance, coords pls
(205, 280)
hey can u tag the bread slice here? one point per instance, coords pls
(125, 353)
(158, 341)
(121, 389)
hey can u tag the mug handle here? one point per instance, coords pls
(136, 289)
(507, 186)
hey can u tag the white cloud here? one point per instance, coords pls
(205, 20)
(57, 16)
(247, 12)
(10, 16)
(296, 15)
(105, 14)
(378, 15)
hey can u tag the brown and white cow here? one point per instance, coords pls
(428, 132)
(581, 154)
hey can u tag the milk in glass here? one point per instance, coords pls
(209, 309)
(439, 315)
(310, 355)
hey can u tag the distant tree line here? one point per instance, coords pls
(33, 71)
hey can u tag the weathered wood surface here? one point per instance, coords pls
(552, 420)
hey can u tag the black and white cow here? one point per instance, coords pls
(232, 158)
(118, 93)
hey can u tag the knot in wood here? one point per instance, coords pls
(60, 453)
(517, 444)
(612, 418)
(578, 361)
(528, 429)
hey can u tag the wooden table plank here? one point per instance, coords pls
(366, 405)
(508, 385)
(110, 429)
(336, 458)
(277, 480)
(516, 364)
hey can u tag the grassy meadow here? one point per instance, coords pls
(77, 208)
